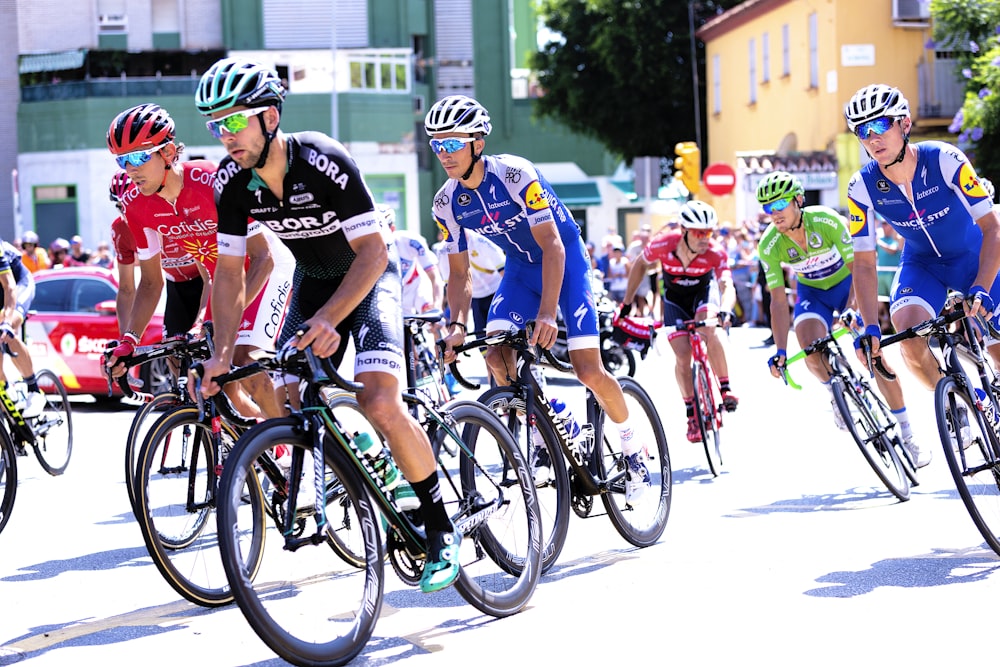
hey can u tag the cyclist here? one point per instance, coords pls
(17, 293)
(931, 195)
(697, 284)
(172, 217)
(347, 277)
(417, 266)
(504, 198)
(183, 274)
(815, 243)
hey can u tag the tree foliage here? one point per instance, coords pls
(620, 71)
(972, 29)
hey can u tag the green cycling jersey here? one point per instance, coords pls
(822, 263)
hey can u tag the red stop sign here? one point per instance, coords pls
(719, 178)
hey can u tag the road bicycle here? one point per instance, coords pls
(579, 469)
(49, 435)
(868, 419)
(313, 608)
(707, 399)
(965, 405)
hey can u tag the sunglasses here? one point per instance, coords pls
(700, 233)
(879, 126)
(233, 123)
(779, 205)
(137, 158)
(452, 145)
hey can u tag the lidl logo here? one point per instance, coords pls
(969, 182)
(535, 197)
(856, 217)
(445, 234)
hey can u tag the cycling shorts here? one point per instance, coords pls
(24, 293)
(821, 303)
(925, 280)
(684, 307)
(183, 300)
(520, 294)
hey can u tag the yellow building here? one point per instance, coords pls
(779, 72)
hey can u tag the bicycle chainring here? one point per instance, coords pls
(582, 504)
(408, 568)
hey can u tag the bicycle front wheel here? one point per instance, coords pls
(176, 496)
(53, 428)
(305, 602)
(706, 412)
(8, 477)
(542, 451)
(971, 450)
(144, 419)
(871, 436)
(641, 523)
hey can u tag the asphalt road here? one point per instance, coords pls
(794, 555)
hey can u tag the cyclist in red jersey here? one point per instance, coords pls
(697, 284)
(175, 214)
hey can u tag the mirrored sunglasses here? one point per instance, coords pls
(879, 126)
(700, 233)
(452, 145)
(233, 123)
(137, 158)
(779, 205)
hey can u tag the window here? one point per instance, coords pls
(716, 84)
(786, 59)
(385, 71)
(88, 293)
(813, 51)
(753, 70)
(765, 58)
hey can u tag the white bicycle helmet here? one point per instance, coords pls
(457, 113)
(698, 215)
(873, 102)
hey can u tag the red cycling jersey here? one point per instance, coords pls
(686, 280)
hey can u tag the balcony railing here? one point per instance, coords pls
(124, 87)
(941, 92)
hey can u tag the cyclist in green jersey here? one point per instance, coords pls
(815, 243)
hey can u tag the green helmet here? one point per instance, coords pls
(235, 82)
(779, 185)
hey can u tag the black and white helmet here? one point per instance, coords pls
(873, 102)
(458, 113)
(698, 215)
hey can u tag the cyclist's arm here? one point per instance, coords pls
(147, 295)
(865, 284)
(780, 317)
(459, 294)
(9, 295)
(635, 277)
(126, 294)
(436, 288)
(261, 265)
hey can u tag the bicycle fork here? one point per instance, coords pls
(315, 428)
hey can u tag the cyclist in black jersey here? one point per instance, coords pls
(308, 190)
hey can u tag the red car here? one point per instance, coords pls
(71, 321)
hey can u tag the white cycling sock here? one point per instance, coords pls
(904, 423)
(626, 433)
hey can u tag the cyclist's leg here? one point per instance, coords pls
(515, 303)
(709, 305)
(919, 296)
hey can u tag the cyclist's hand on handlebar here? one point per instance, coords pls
(448, 344)
(624, 311)
(776, 364)
(202, 374)
(117, 357)
(867, 345)
(6, 330)
(321, 334)
(725, 319)
(979, 302)
(545, 331)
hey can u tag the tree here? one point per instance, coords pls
(972, 29)
(620, 71)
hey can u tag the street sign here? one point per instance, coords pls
(719, 178)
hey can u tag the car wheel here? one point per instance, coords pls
(156, 376)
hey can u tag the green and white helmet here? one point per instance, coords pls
(779, 185)
(233, 82)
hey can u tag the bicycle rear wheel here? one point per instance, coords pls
(176, 496)
(53, 428)
(871, 436)
(973, 458)
(491, 497)
(8, 477)
(706, 412)
(141, 423)
(307, 604)
(641, 524)
(553, 491)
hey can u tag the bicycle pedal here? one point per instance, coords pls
(20, 450)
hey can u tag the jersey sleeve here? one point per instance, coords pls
(525, 186)
(961, 177)
(860, 215)
(768, 250)
(452, 234)
(123, 242)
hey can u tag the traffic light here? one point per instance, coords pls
(688, 165)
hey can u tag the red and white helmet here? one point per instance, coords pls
(140, 128)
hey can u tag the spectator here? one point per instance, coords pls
(33, 257)
(618, 266)
(58, 253)
(78, 255)
(103, 257)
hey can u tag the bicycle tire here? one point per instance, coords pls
(975, 466)
(617, 360)
(643, 524)
(53, 428)
(143, 420)
(307, 605)
(492, 469)
(555, 496)
(705, 411)
(175, 502)
(884, 416)
(8, 477)
(871, 438)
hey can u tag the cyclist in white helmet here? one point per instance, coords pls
(697, 284)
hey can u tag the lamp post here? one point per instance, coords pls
(694, 77)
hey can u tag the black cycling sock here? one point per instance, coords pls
(724, 385)
(429, 493)
(689, 407)
(32, 383)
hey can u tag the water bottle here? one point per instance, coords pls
(383, 465)
(988, 408)
(565, 417)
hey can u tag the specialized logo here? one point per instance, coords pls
(535, 197)
(969, 182)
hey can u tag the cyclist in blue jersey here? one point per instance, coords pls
(308, 190)
(504, 198)
(931, 195)
(17, 291)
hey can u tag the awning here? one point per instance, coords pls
(51, 62)
(574, 195)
